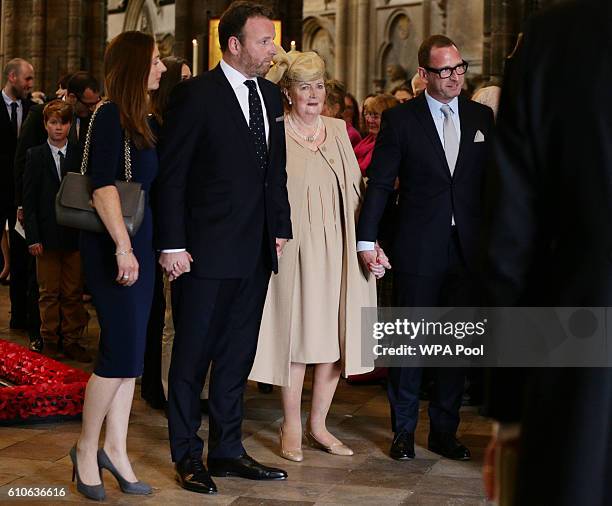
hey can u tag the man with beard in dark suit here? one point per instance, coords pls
(18, 82)
(550, 245)
(437, 145)
(223, 218)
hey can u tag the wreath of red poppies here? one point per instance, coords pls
(43, 387)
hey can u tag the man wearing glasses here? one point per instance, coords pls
(438, 145)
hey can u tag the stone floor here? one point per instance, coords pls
(37, 455)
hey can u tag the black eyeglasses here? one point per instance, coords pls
(90, 105)
(446, 72)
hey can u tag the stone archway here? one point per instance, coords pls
(319, 35)
(396, 56)
(141, 15)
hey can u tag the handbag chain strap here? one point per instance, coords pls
(126, 147)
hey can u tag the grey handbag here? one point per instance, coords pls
(73, 203)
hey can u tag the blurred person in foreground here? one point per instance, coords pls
(548, 245)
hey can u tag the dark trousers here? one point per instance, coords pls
(215, 321)
(453, 287)
(23, 290)
(151, 388)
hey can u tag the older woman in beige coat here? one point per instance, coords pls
(313, 307)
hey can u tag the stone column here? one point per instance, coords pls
(7, 31)
(96, 38)
(501, 25)
(363, 18)
(37, 40)
(75, 33)
(341, 39)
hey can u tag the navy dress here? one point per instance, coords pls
(123, 312)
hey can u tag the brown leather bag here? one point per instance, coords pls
(73, 203)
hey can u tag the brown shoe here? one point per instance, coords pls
(76, 352)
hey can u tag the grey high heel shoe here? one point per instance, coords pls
(94, 492)
(127, 487)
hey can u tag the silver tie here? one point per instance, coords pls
(451, 142)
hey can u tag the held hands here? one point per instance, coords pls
(36, 249)
(127, 267)
(280, 244)
(175, 264)
(375, 261)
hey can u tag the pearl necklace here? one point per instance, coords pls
(307, 138)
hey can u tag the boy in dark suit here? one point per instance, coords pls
(58, 262)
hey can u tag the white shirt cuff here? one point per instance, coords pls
(365, 246)
(179, 250)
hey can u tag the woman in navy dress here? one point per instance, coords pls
(119, 270)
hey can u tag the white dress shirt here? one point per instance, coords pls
(236, 80)
(435, 108)
(55, 151)
(8, 101)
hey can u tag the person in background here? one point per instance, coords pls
(18, 82)
(119, 269)
(351, 115)
(58, 262)
(160, 331)
(335, 103)
(313, 307)
(373, 108)
(402, 93)
(417, 84)
(489, 96)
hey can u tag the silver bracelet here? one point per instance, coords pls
(124, 252)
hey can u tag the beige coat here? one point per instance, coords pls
(358, 289)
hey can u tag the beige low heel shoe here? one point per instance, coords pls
(295, 454)
(334, 449)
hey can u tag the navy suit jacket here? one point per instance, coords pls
(408, 147)
(213, 198)
(40, 186)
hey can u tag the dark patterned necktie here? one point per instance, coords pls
(14, 118)
(62, 164)
(256, 124)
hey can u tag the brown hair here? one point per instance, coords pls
(235, 17)
(379, 103)
(430, 43)
(169, 79)
(336, 93)
(59, 109)
(127, 65)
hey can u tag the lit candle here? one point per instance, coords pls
(195, 57)
(293, 45)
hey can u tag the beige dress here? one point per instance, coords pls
(313, 306)
(318, 274)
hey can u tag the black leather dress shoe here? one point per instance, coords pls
(245, 467)
(447, 445)
(402, 447)
(192, 475)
